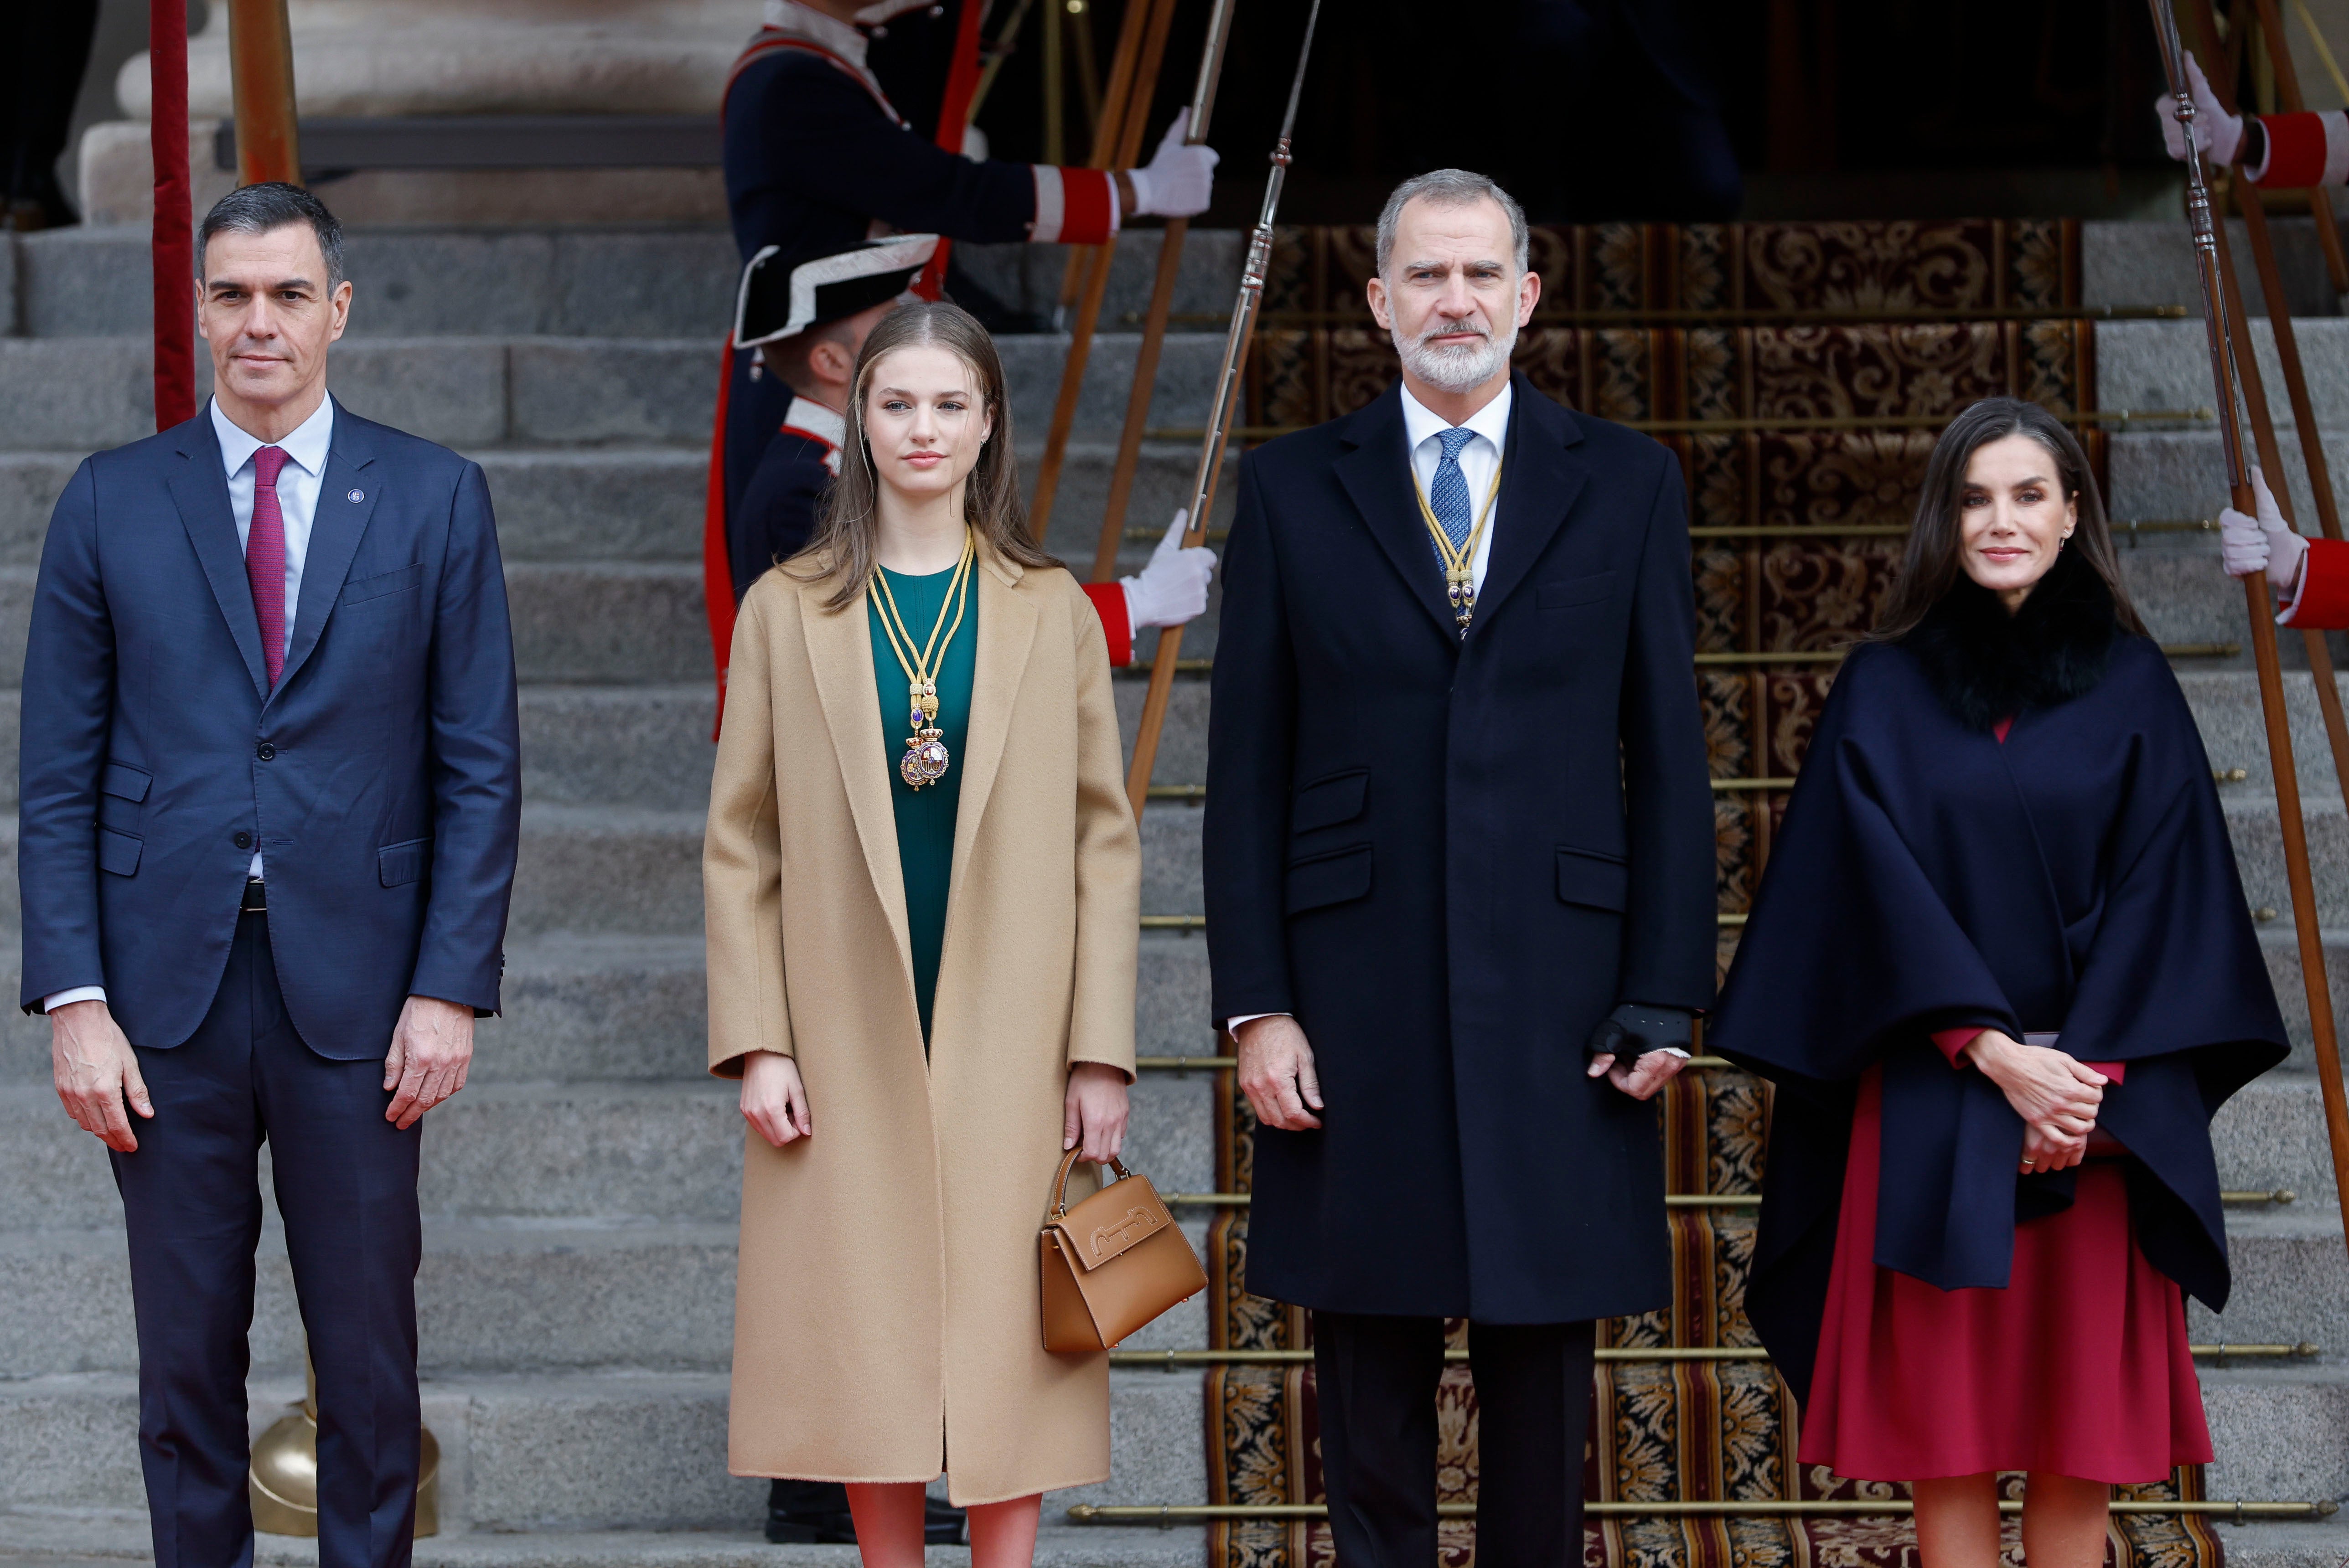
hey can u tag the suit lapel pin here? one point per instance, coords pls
(356, 496)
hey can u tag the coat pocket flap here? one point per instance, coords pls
(119, 852)
(1112, 1222)
(383, 583)
(1589, 877)
(396, 865)
(1326, 802)
(126, 782)
(1575, 590)
(1333, 878)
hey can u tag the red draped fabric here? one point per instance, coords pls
(174, 242)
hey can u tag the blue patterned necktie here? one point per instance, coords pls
(1448, 496)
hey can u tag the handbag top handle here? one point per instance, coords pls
(1060, 1183)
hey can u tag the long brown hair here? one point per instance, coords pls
(1931, 564)
(844, 549)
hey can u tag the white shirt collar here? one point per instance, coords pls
(807, 414)
(806, 22)
(1491, 421)
(306, 446)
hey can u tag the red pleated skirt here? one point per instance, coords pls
(2080, 1367)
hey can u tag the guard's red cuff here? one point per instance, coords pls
(2323, 601)
(1074, 206)
(2305, 149)
(1108, 604)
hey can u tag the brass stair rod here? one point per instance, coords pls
(1212, 1064)
(1789, 424)
(1757, 1508)
(1634, 315)
(1177, 1360)
(1141, 43)
(2283, 765)
(1162, 304)
(1685, 1200)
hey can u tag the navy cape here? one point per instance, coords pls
(2078, 878)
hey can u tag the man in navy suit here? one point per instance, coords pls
(269, 809)
(1459, 862)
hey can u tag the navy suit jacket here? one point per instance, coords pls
(380, 779)
(1449, 857)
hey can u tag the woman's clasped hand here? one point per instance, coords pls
(2056, 1097)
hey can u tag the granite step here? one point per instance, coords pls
(601, 869)
(625, 1008)
(515, 1156)
(639, 1451)
(646, 1450)
(78, 394)
(2166, 365)
(645, 503)
(90, 1538)
(649, 282)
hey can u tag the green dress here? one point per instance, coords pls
(926, 817)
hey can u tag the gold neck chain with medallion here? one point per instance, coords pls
(925, 760)
(1459, 562)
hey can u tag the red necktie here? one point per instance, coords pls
(264, 558)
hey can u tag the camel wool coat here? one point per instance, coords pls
(886, 1319)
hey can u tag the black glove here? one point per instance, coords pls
(1634, 1029)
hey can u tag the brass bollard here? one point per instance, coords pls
(283, 1480)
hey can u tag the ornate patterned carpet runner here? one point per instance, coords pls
(1782, 579)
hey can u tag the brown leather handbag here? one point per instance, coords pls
(1111, 1264)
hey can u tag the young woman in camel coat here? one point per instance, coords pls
(886, 1318)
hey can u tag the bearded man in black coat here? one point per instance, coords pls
(1460, 885)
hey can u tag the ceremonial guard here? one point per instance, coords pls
(807, 323)
(818, 159)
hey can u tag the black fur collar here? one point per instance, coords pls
(1987, 665)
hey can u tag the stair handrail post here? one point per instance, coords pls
(1162, 307)
(1130, 112)
(260, 84)
(2301, 883)
(1237, 339)
(2255, 399)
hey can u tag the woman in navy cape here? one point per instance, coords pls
(2001, 974)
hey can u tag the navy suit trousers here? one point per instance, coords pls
(1375, 1377)
(346, 1182)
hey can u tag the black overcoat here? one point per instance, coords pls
(1449, 859)
(2077, 878)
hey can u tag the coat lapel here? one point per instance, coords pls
(840, 652)
(1377, 475)
(1006, 632)
(336, 528)
(200, 490)
(1541, 477)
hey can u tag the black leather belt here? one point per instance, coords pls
(256, 897)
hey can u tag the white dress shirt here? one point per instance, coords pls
(297, 502)
(1480, 461)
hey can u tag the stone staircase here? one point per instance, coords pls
(577, 1288)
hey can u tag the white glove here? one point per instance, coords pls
(1173, 588)
(1180, 179)
(2265, 543)
(2219, 134)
